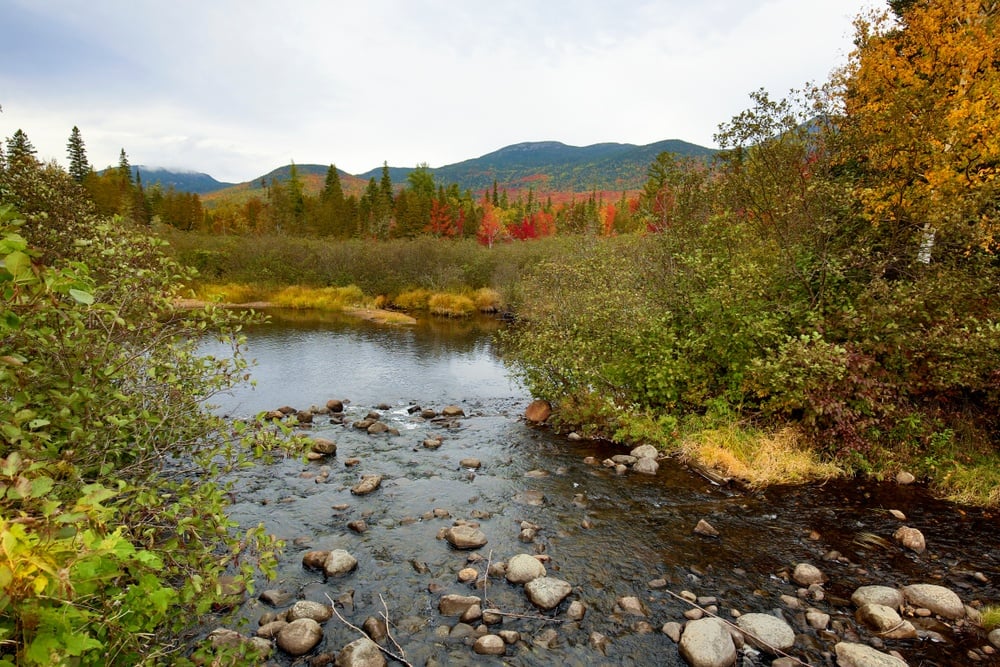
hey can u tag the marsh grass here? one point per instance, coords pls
(451, 305)
(320, 298)
(990, 617)
(230, 292)
(757, 457)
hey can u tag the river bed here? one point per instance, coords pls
(609, 535)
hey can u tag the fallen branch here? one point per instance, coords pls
(773, 649)
(388, 627)
(364, 634)
(532, 617)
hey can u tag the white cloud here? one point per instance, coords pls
(236, 88)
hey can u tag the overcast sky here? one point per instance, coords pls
(236, 88)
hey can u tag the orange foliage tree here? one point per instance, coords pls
(922, 126)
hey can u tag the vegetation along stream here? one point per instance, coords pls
(625, 542)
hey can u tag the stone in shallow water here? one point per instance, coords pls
(300, 636)
(339, 563)
(940, 600)
(490, 645)
(465, 537)
(523, 568)
(538, 411)
(547, 592)
(769, 630)
(361, 653)
(708, 643)
(368, 484)
(850, 654)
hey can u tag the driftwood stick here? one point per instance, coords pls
(364, 634)
(773, 649)
(388, 627)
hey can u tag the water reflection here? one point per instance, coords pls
(303, 358)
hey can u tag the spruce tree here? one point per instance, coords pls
(124, 168)
(19, 148)
(79, 167)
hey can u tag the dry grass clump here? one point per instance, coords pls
(487, 300)
(990, 617)
(451, 305)
(319, 298)
(414, 299)
(230, 293)
(759, 458)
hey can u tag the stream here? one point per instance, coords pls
(610, 535)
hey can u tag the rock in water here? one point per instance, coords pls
(367, 484)
(884, 595)
(769, 630)
(807, 574)
(886, 622)
(465, 537)
(911, 538)
(300, 636)
(538, 411)
(547, 592)
(940, 600)
(490, 645)
(707, 643)
(706, 529)
(361, 653)
(523, 568)
(456, 605)
(339, 563)
(860, 655)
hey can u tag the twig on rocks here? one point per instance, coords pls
(388, 627)
(532, 617)
(364, 634)
(773, 649)
(486, 577)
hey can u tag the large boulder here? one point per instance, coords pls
(708, 643)
(940, 600)
(547, 592)
(523, 568)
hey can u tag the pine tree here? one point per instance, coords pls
(79, 167)
(124, 168)
(20, 148)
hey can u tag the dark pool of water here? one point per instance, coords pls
(608, 535)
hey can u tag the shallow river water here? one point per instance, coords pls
(608, 535)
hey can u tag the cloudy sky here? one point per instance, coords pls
(236, 88)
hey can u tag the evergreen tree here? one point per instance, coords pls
(124, 168)
(20, 148)
(79, 167)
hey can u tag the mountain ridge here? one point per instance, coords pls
(545, 165)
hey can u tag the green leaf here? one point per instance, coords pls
(82, 297)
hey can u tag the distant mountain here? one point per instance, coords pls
(547, 166)
(555, 166)
(182, 181)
